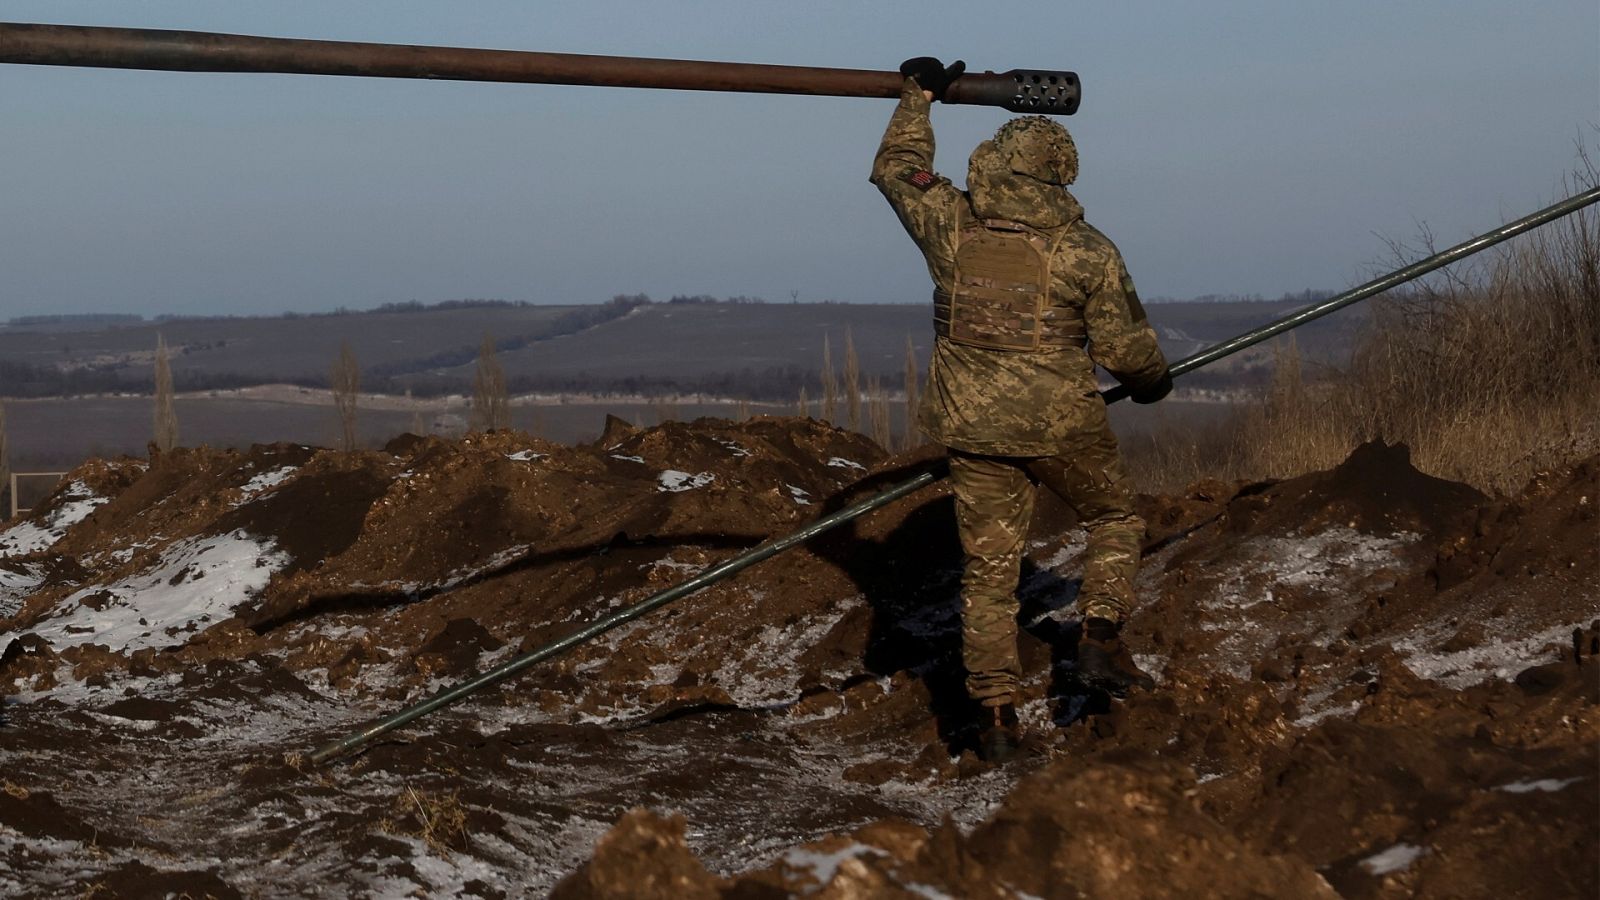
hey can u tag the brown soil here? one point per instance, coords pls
(1373, 683)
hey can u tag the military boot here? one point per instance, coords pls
(1001, 733)
(1104, 661)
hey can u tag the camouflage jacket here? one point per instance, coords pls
(1001, 402)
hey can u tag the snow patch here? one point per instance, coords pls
(799, 494)
(733, 447)
(15, 588)
(78, 501)
(839, 462)
(197, 581)
(824, 866)
(524, 456)
(267, 481)
(673, 565)
(1325, 561)
(1495, 658)
(637, 459)
(673, 481)
(1547, 785)
(1395, 859)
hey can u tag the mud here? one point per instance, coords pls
(1372, 683)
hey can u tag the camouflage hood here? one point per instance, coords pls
(999, 193)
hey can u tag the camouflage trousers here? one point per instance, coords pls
(994, 503)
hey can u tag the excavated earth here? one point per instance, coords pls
(1371, 682)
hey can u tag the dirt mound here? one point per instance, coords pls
(1375, 490)
(1371, 681)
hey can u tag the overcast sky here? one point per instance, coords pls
(1227, 147)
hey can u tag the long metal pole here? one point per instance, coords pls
(1019, 90)
(655, 601)
(772, 548)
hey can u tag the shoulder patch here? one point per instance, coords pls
(921, 179)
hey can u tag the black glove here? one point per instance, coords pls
(1154, 391)
(932, 75)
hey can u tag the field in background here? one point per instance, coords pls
(761, 351)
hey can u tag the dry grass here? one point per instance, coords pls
(437, 818)
(1489, 371)
(345, 379)
(491, 403)
(852, 384)
(165, 420)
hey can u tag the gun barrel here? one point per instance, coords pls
(199, 51)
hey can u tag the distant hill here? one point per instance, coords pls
(756, 350)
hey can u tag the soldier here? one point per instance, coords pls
(1028, 297)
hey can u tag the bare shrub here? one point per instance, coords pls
(5, 468)
(491, 403)
(878, 413)
(417, 426)
(852, 384)
(802, 406)
(741, 410)
(345, 380)
(666, 409)
(164, 423)
(913, 433)
(830, 385)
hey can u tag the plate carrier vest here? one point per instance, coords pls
(1001, 296)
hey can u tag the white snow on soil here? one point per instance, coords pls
(266, 481)
(15, 588)
(1494, 658)
(824, 866)
(1548, 785)
(196, 582)
(799, 495)
(1395, 859)
(524, 456)
(839, 462)
(673, 481)
(29, 536)
(1244, 604)
(1327, 561)
(637, 459)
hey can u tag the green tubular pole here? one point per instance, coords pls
(889, 495)
(705, 579)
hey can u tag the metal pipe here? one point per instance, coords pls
(627, 614)
(772, 548)
(201, 51)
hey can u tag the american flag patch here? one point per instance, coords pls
(921, 179)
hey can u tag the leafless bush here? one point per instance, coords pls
(802, 406)
(666, 409)
(913, 433)
(5, 467)
(346, 382)
(878, 413)
(852, 383)
(165, 418)
(830, 385)
(491, 404)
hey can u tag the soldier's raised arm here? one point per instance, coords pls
(1120, 337)
(903, 167)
